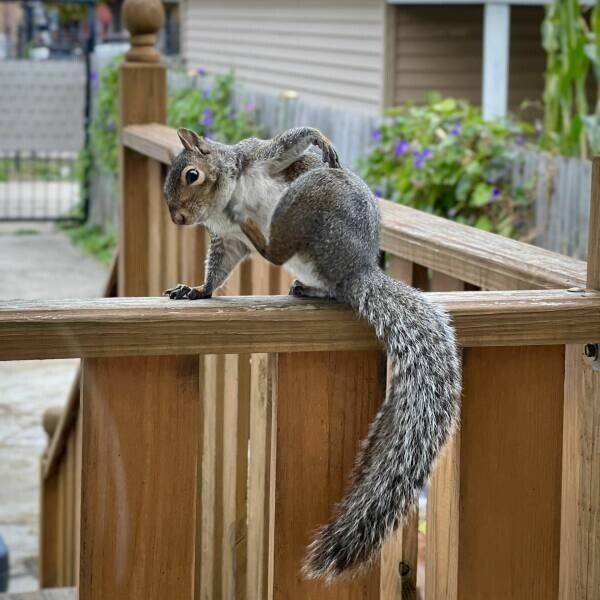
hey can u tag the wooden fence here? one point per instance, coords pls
(206, 440)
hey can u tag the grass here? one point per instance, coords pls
(93, 240)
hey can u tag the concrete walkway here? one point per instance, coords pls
(33, 266)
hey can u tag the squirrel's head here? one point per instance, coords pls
(193, 187)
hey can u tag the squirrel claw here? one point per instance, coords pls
(179, 292)
(330, 156)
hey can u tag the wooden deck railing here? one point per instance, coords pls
(212, 437)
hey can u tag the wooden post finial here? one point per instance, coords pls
(143, 19)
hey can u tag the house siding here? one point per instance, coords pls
(329, 51)
(438, 49)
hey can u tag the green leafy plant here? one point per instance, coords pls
(103, 131)
(93, 240)
(210, 111)
(442, 157)
(572, 47)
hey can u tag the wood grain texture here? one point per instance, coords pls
(325, 402)
(139, 478)
(510, 473)
(580, 524)
(146, 326)
(478, 257)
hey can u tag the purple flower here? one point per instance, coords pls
(231, 114)
(378, 193)
(401, 147)
(251, 106)
(421, 157)
(376, 135)
(207, 117)
(456, 130)
(93, 75)
(208, 135)
(495, 194)
(206, 93)
(201, 71)
(520, 140)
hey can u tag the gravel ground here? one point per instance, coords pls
(35, 262)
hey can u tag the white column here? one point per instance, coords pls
(496, 41)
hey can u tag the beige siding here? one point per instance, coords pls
(438, 49)
(326, 50)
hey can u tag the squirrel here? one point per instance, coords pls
(304, 211)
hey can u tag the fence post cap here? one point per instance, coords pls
(143, 19)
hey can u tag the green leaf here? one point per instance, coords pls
(481, 194)
(483, 222)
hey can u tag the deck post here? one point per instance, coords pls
(142, 99)
(580, 523)
(141, 432)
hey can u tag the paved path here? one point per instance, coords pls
(44, 265)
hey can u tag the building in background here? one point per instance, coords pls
(365, 55)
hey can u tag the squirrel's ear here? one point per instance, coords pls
(192, 141)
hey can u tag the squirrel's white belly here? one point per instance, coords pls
(304, 272)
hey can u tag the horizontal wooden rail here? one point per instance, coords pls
(478, 257)
(154, 326)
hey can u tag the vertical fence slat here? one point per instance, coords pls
(49, 506)
(259, 475)
(209, 552)
(510, 475)
(156, 234)
(399, 555)
(443, 499)
(139, 477)
(325, 402)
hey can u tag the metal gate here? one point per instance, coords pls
(44, 115)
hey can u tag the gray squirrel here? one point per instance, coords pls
(298, 207)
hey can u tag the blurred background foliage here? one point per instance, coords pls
(443, 158)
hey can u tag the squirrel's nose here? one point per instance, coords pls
(178, 217)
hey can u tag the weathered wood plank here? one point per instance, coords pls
(325, 403)
(139, 477)
(259, 474)
(478, 257)
(146, 326)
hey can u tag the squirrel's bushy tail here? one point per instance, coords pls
(413, 423)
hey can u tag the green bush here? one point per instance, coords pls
(443, 158)
(210, 111)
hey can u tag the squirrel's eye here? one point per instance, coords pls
(191, 176)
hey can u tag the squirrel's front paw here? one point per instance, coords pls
(185, 292)
(330, 155)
